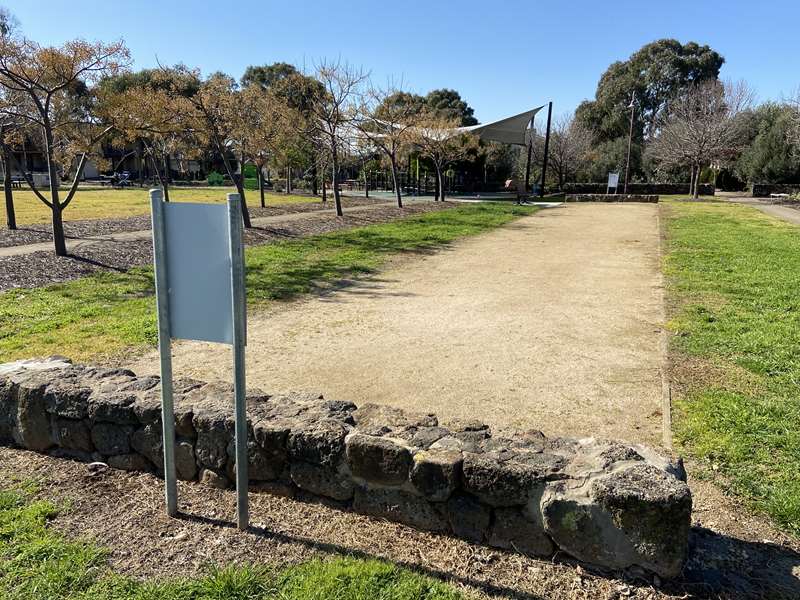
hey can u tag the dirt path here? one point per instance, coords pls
(551, 322)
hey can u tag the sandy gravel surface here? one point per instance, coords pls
(551, 322)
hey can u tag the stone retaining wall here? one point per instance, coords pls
(611, 198)
(706, 189)
(602, 502)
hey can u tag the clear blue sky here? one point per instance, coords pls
(503, 57)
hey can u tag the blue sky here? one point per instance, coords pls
(503, 57)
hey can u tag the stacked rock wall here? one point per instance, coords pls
(603, 502)
(611, 198)
(706, 189)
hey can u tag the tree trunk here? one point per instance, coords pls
(337, 199)
(161, 179)
(139, 164)
(58, 224)
(167, 177)
(366, 184)
(237, 181)
(260, 176)
(396, 183)
(440, 182)
(288, 189)
(324, 190)
(11, 218)
(314, 175)
(245, 213)
(697, 183)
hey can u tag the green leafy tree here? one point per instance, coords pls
(654, 75)
(448, 104)
(769, 156)
(268, 75)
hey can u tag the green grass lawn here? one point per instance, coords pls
(734, 275)
(108, 203)
(108, 313)
(37, 563)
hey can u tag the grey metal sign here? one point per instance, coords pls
(200, 293)
(613, 181)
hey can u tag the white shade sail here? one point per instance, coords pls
(510, 130)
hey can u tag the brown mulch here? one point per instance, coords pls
(43, 267)
(42, 232)
(124, 513)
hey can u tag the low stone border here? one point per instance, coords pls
(611, 198)
(706, 189)
(602, 502)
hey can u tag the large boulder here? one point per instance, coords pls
(436, 474)
(378, 460)
(513, 530)
(397, 505)
(507, 478)
(323, 481)
(109, 438)
(32, 423)
(469, 519)
(635, 515)
(318, 442)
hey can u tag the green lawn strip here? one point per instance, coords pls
(735, 276)
(36, 563)
(106, 313)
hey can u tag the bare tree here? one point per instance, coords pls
(335, 112)
(440, 140)
(386, 120)
(46, 89)
(569, 143)
(701, 126)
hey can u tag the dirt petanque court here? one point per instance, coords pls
(552, 322)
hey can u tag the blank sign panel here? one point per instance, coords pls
(198, 253)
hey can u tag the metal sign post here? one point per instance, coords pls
(199, 275)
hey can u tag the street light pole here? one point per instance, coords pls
(546, 148)
(632, 106)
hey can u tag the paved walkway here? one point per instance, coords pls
(551, 322)
(779, 211)
(75, 245)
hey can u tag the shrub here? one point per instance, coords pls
(215, 178)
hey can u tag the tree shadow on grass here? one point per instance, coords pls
(96, 263)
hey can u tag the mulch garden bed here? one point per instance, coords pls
(43, 267)
(43, 232)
